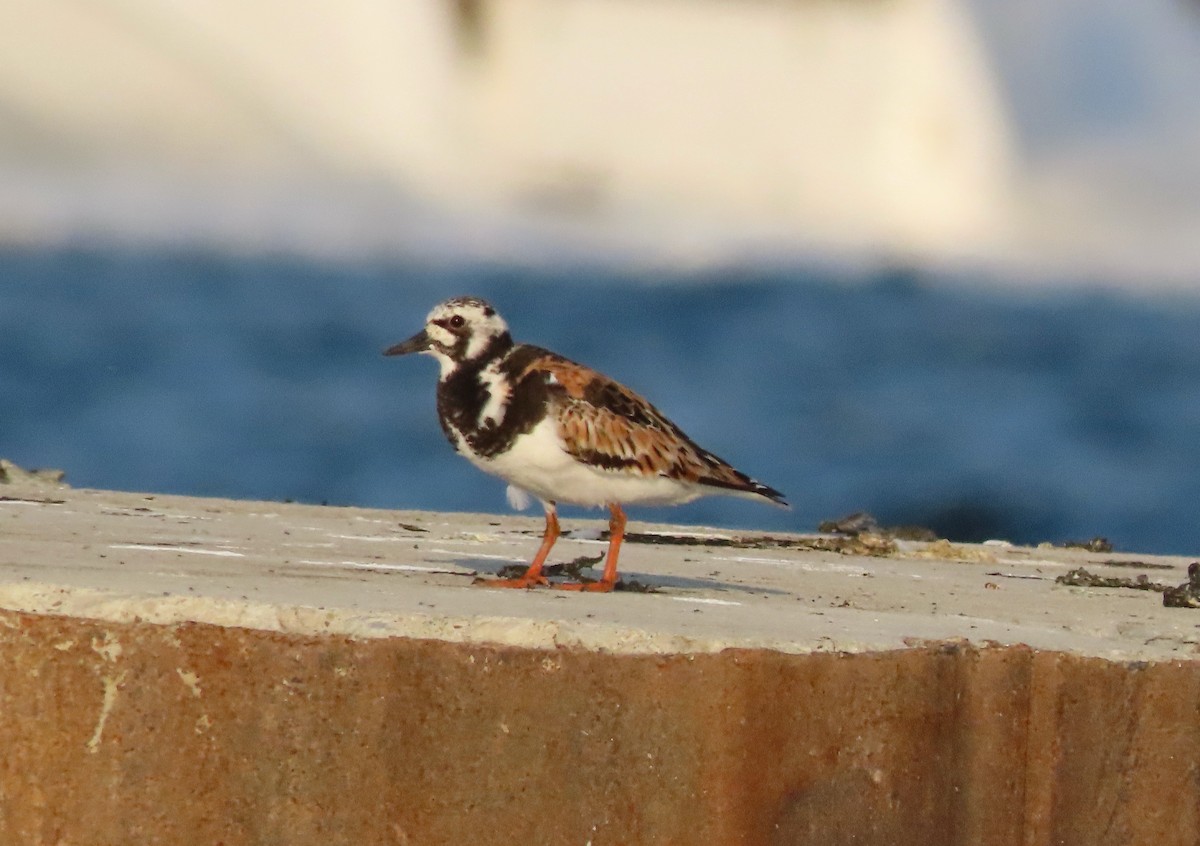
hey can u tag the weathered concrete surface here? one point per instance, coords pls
(204, 671)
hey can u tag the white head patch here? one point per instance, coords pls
(461, 329)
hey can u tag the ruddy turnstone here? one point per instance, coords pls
(561, 431)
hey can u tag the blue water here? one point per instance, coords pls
(934, 400)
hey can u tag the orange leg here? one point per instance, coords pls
(533, 576)
(616, 534)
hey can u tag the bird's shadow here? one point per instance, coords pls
(577, 569)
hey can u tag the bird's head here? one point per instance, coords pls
(458, 330)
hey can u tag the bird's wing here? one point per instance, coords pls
(607, 425)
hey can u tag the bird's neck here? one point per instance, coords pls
(456, 367)
(465, 390)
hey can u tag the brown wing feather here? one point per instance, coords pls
(605, 424)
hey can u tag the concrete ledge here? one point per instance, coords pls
(204, 671)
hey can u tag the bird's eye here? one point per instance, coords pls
(457, 321)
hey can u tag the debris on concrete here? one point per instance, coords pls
(1186, 595)
(1096, 544)
(1080, 577)
(864, 523)
(10, 473)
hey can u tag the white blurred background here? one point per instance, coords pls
(1050, 137)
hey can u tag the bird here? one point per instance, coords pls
(561, 431)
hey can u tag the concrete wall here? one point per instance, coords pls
(202, 671)
(841, 121)
(199, 734)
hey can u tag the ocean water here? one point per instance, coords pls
(980, 411)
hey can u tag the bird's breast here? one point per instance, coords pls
(483, 410)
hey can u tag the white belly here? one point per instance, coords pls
(538, 463)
